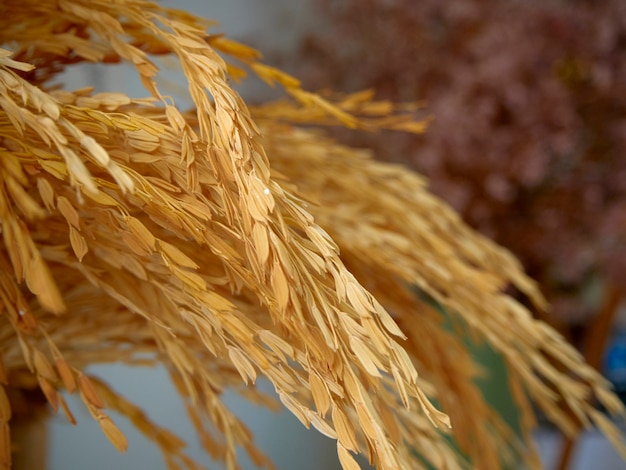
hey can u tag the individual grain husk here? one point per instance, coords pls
(227, 243)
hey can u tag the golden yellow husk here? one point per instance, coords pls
(231, 242)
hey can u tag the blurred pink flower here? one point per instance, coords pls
(529, 136)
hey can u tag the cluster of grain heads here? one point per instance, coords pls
(227, 244)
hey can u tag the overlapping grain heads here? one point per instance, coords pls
(133, 230)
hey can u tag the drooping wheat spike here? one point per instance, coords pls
(227, 243)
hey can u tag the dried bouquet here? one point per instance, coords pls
(231, 242)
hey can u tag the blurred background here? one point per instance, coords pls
(527, 142)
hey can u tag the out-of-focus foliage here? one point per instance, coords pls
(528, 140)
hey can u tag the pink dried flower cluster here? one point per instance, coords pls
(529, 136)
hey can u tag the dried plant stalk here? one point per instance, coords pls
(132, 229)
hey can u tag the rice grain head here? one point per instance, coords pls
(232, 242)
